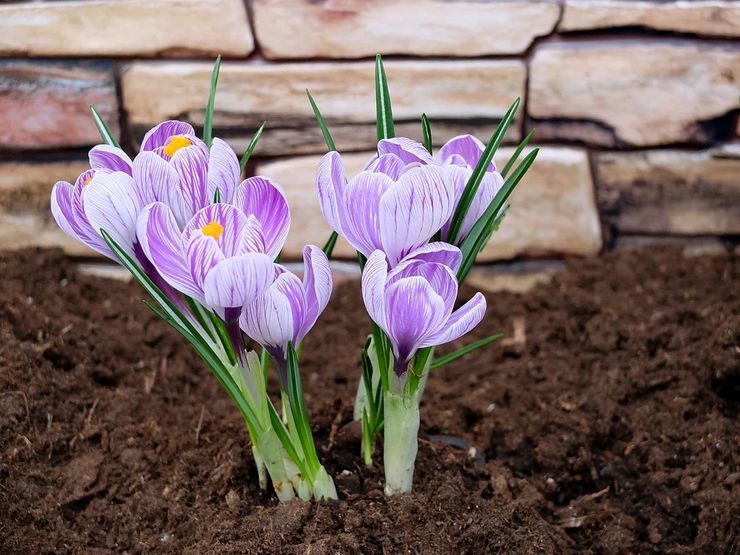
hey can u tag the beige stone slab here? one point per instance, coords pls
(251, 92)
(670, 191)
(125, 28)
(552, 211)
(25, 219)
(645, 95)
(45, 104)
(289, 29)
(704, 17)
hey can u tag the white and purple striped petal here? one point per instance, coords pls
(228, 226)
(359, 210)
(160, 135)
(408, 150)
(264, 199)
(413, 210)
(463, 150)
(463, 320)
(317, 286)
(161, 241)
(330, 182)
(109, 158)
(223, 171)
(237, 281)
(191, 165)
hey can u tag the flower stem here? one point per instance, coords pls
(401, 441)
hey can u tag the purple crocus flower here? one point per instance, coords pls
(289, 308)
(413, 302)
(396, 204)
(458, 157)
(223, 256)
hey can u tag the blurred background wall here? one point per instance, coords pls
(635, 103)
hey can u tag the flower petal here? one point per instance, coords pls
(238, 281)
(460, 322)
(191, 165)
(109, 158)
(413, 210)
(202, 254)
(111, 202)
(439, 252)
(237, 233)
(263, 198)
(414, 311)
(374, 276)
(330, 180)
(161, 240)
(317, 285)
(406, 149)
(463, 148)
(158, 136)
(360, 208)
(158, 181)
(490, 185)
(61, 208)
(389, 164)
(275, 317)
(223, 171)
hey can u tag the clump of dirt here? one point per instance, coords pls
(606, 422)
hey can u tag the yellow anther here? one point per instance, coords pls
(213, 229)
(88, 180)
(175, 143)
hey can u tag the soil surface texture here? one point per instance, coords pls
(605, 422)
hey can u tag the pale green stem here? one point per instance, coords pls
(400, 442)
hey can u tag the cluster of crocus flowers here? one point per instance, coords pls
(205, 245)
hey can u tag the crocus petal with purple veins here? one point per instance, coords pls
(331, 181)
(389, 164)
(439, 277)
(224, 223)
(223, 171)
(61, 208)
(158, 136)
(265, 200)
(439, 252)
(406, 149)
(317, 286)
(158, 181)
(238, 281)
(202, 255)
(374, 276)
(191, 166)
(413, 311)
(359, 210)
(413, 210)
(276, 316)
(463, 320)
(464, 149)
(111, 202)
(109, 158)
(161, 241)
(489, 186)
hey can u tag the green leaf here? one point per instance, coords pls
(517, 152)
(208, 121)
(471, 187)
(330, 244)
(103, 128)
(420, 363)
(217, 196)
(250, 147)
(481, 231)
(467, 349)
(426, 132)
(383, 110)
(298, 410)
(322, 123)
(285, 440)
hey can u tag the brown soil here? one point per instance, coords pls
(606, 424)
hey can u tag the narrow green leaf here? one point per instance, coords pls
(383, 110)
(208, 121)
(479, 234)
(420, 362)
(285, 440)
(517, 152)
(382, 351)
(322, 123)
(217, 196)
(467, 349)
(426, 132)
(330, 244)
(250, 147)
(471, 187)
(103, 129)
(299, 411)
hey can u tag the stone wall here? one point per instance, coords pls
(635, 103)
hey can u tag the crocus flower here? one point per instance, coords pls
(413, 302)
(395, 205)
(223, 256)
(458, 157)
(289, 308)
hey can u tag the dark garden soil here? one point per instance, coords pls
(607, 422)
